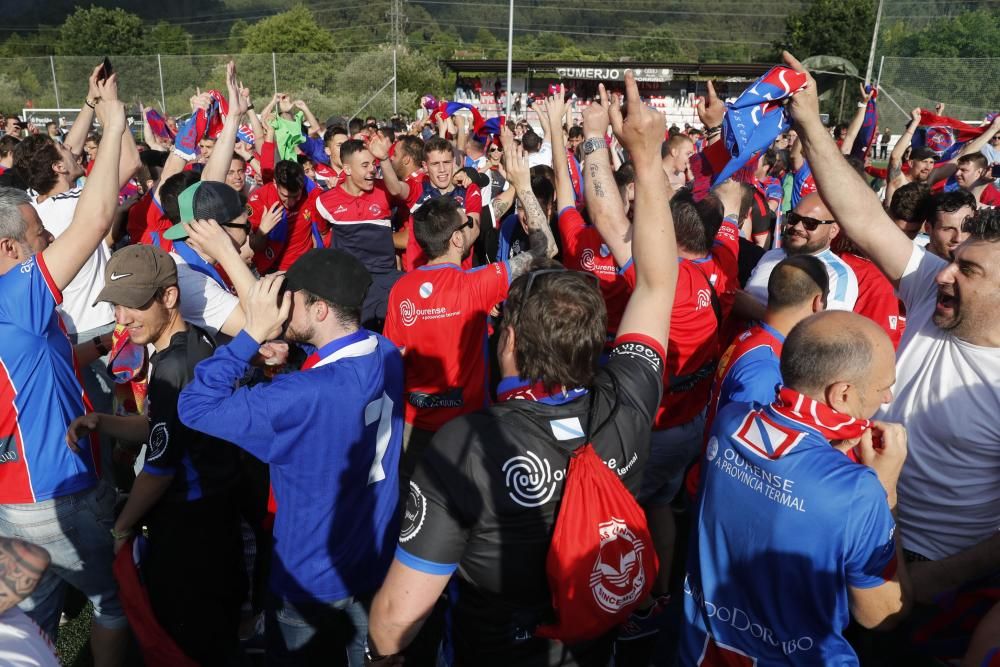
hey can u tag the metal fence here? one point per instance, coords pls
(331, 83)
(968, 87)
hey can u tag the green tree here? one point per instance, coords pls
(969, 35)
(832, 27)
(294, 31)
(657, 45)
(100, 31)
(168, 39)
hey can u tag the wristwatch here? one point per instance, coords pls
(594, 144)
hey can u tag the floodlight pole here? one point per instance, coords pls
(871, 54)
(510, 56)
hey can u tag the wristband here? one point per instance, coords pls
(101, 348)
(249, 106)
(89, 104)
(124, 535)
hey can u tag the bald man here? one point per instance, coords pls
(809, 229)
(795, 532)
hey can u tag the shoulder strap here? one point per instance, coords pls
(716, 306)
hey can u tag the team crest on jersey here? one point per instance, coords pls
(618, 576)
(605, 251)
(407, 312)
(426, 289)
(766, 438)
(375, 209)
(414, 514)
(159, 438)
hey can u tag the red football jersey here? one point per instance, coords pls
(694, 329)
(146, 225)
(292, 237)
(990, 196)
(584, 250)
(876, 298)
(437, 315)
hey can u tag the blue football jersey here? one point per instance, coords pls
(786, 523)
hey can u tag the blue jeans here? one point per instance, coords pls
(302, 634)
(76, 531)
(671, 451)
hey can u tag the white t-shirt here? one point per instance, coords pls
(843, 282)
(22, 643)
(204, 302)
(543, 156)
(77, 310)
(947, 394)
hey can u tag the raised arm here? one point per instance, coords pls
(607, 212)
(379, 147)
(855, 206)
(21, 568)
(541, 243)
(255, 124)
(711, 111)
(856, 122)
(77, 135)
(99, 202)
(553, 109)
(896, 156)
(147, 132)
(654, 250)
(310, 118)
(222, 156)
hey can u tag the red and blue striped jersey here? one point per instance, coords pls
(40, 393)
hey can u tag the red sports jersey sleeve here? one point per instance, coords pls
(137, 217)
(876, 298)
(473, 200)
(990, 196)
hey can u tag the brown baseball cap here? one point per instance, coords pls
(135, 273)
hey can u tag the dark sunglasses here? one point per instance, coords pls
(809, 224)
(245, 226)
(541, 272)
(494, 149)
(469, 222)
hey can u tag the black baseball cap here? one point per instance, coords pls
(922, 153)
(205, 200)
(331, 274)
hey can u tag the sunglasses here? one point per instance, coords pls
(541, 272)
(809, 224)
(245, 226)
(494, 149)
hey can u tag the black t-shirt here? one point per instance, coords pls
(202, 465)
(486, 493)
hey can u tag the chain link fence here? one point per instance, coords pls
(968, 87)
(330, 83)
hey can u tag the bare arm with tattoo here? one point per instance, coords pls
(21, 567)
(607, 212)
(519, 175)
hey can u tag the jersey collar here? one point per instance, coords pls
(511, 388)
(329, 352)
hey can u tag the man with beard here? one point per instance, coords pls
(809, 229)
(331, 436)
(946, 373)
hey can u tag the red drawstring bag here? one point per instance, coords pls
(601, 562)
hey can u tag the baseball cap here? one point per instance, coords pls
(331, 274)
(135, 273)
(205, 200)
(922, 153)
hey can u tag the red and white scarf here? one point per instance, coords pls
(833, 425)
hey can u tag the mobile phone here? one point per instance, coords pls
(106, 70)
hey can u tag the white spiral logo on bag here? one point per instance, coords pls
(407, 312)
(530, 480)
